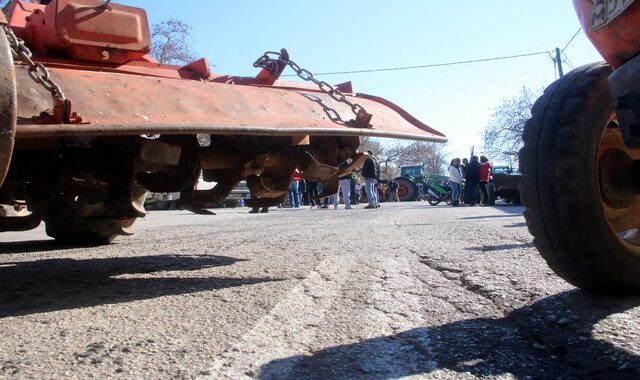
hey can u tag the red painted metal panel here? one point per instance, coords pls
(612, 26)
(133, 104)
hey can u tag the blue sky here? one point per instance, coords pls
(331, 35)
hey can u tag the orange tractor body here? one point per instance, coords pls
(612, 27)
(89, 122)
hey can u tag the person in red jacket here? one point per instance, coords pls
(485, 176)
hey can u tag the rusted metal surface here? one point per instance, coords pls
(271, 72)
(119, 104)
(612, 27)
(61, 112)
(159, 152)
(216, 158)
(200, 67)
(357, 162)
(620, 197)
(84, 30)
(8, 112)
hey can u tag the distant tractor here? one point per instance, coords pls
(413, 182)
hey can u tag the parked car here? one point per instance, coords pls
(505, 184)
(171, 201)
(162, 201)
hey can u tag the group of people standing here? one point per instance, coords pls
(475, 175)
(349, 185)
(302, 192)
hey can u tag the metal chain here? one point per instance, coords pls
(271, 60)
(37, 71)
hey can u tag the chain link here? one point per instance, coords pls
(37, 71)
(271, 60)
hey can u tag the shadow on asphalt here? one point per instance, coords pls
(551, 338)
(514, 215)
(32, 246)
(62, 284)
(515, 225)
(500, 247)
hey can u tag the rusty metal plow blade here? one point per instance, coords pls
(357, 162)
(216, 194)
(316, 171)
(205, 107)
(8, 105)
(268, 191)
(266, 186)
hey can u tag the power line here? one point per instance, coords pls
(429, 65)
(570, 41)
(568, 61)
(475, 85)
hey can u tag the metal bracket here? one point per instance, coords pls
(626, 93)
(362, 120)
(61, 114)
(271, 68)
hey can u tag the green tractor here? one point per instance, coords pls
(413, 182)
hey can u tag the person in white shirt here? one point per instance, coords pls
(455, 180)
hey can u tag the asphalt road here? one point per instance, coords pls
(407, 290)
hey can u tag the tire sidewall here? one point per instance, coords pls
(576, 110)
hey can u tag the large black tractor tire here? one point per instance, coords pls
(571, 204)
(407, 190)
(86, 222)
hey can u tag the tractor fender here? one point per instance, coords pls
(406, 178)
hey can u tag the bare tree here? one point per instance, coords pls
(172, 42)
(392, 154)
(430, 154)
(503, 136)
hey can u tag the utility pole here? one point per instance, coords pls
(559, 62)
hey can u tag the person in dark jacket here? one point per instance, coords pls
(371, 172)
(312, 193)
(463, 166)
(393, 190)
(472, 179)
